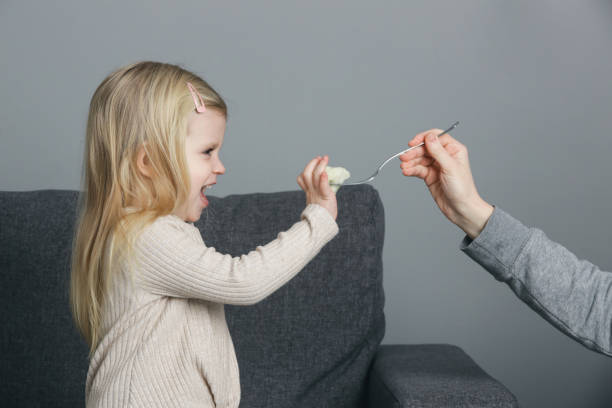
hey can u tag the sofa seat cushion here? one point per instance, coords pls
(433, 376)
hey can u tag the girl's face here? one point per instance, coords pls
(205, 134)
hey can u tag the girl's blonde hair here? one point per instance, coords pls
(140, 106)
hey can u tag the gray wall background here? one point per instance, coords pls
(529, 81)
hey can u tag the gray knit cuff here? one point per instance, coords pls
(498, 245)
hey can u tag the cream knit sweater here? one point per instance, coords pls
(165, 340)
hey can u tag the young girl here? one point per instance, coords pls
(146, 292)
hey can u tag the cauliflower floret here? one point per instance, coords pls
(336, 176)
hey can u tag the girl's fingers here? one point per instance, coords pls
(324, 185)
(319, 169)
(308, 172)
(300, 182)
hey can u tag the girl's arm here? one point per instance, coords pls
(572, 294)
(174, 261)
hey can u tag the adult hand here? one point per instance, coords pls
(444, 166)
(315, 184)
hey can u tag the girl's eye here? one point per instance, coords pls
(209, 151)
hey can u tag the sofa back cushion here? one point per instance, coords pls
(45, 359)
(308, 344)
(312, 341)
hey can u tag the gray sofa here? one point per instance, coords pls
(313, 343)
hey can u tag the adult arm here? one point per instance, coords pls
(572, 294)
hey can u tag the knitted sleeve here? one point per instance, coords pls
(171, 263)
(572, 294)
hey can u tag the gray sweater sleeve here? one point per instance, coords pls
(572, 294)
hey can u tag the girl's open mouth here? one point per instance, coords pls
(202, 196)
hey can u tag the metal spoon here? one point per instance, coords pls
(373, 176)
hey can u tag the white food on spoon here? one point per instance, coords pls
(336, 176)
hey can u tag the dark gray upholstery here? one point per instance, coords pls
(312, 341)
(415, 375)
(309, 344)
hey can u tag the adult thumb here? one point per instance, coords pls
(437, 151)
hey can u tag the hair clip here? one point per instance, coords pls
(198, 107)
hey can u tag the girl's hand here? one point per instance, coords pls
(444, 166)
(315, 184)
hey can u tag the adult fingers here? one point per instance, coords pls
(420, 138)
(423, 161)
(413, 154)
(437, 151)
(421, 150)
(417, 171)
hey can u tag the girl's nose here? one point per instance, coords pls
(220, 168)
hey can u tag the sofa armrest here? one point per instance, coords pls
(432, 375)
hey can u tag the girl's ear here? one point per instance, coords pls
(144, 163)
